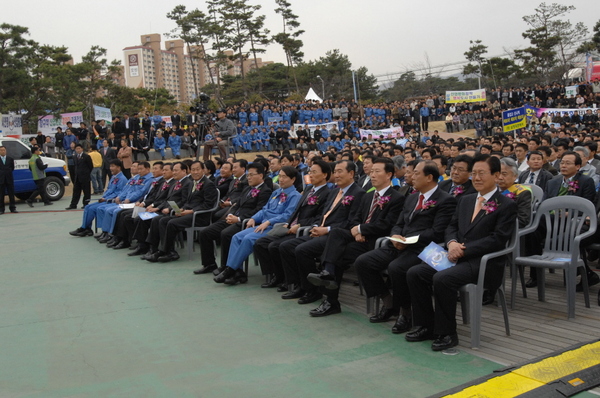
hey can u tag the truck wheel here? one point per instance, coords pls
(54, 187)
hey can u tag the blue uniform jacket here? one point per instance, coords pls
(116, 184)
(278, 210)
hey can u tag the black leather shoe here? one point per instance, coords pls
(444, 342)
(171, 256)
(134, 246)
(113, 242)
(48, 204)
(206, 269)
(282, 287)
(324, 279)
(14, 211)
(238, 277)
(219, 270)
(30, 203)
(100, 235)
(325, 309)
(419, 333)
(531, 283)
(403, 324)
(294, 294)
(310, 297)
(138, 251)
(76, 232)
(274, 282)
(106, 238)
(122, 245)
(66, 208)
(223, 276)
(593, 279)
(384, 315)
(86, 232)
(488, 297)
(155, 256)
(148, 254)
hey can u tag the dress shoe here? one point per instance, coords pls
(593, 279)
(106, 238)
(86, 232)
(293, 294)
(134, 246)
(326, 308)
(218, 270)
(171, 256)
(282, 287)
(122, 245)
(155, 256)
(531, 283)
(138, 251)
(13, 211)
(206, 269)
(488, 297)
(48, 203)
(310, 297)
(238, 277)
(76, 232)
(30, 203)
(148, 254)
(274, 282)
(223, 276)
(66, 208)
(324, 279)
(403, 324)
(113, 242)
(420, 333)
(444, 342)
(101, 235)
(384, 315)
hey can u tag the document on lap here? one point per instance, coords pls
(407, 241)
(436, 257)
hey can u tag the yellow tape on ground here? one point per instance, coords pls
(535, 375)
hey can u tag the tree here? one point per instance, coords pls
(289, 37)
(259, 38)
(475, 54)
(592, 45)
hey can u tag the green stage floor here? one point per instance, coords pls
(80, 320)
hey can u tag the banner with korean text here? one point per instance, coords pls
(48, 124)
(101, 113)
(453, 97)
(531, 110)
(11, 125)
(313, 127)
(571, 91)
(394, 132)
(514, 119)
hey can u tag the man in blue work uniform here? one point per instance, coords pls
(116, 184)
(175, 144)
(277, 210)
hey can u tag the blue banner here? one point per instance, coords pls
(514, 119)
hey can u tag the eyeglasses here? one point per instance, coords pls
(252, 174)
(480, 173)
(459, 170)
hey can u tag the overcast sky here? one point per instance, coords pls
(386, 36)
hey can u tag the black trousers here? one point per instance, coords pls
(221, 232)
(78, 187)
(10, 190)
(105, 177)
(120, 226)
(39, 190)
(298, 259)
(370, 265)
(266, 250)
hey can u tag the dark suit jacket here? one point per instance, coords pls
(247, 205)
(383, 217)
(6, 171)
(310, 214)
(342, 214)
(176, 120)
(586, 189)
(429, 223)
(162, 196)
(155, 190)
(223, 186)
(141, 144)
(202, 199)
(541, 180)
(361, 181)
(236, 188)
(178, 193)
(110, 155)
(468, 187)
(83, 167)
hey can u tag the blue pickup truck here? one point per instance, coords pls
(56, 173)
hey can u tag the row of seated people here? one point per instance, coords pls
(475, 216)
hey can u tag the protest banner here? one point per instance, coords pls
(514, 119)
(48, 124)
(394, 132)
(313, 127)
(531, 110)
(101, 113)
(571, 91)
(453, 97)
(167, 120)
(11, 125)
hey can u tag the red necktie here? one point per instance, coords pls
(373, 207)
(420, 204)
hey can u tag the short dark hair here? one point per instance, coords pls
(350, 166)
(388, 164)
(443, 159)
(260, 169)
(288, 157)
(243, 163)
(117, 162)
(578, 161)
(492, 161)
(324, 166)
(159, 163)
(539, 153)
(466, 159)
(430, 169)
(290, 171)
(197, 162)
(182, 165)
(145, 165)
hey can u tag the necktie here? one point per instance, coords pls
(335, 202)
(478, 207)
(420, 204)
(373, 207)
(531, 177)
(310, 194)
(452, 190)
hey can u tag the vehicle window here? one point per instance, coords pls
(16, 151)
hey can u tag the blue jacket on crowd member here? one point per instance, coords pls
(424, 111)
(116, 185)
(277, 210)
(287, 116)
(175, 144)
(253, 117)
(242, 117)
(67, 141)
(156, 119)
(159, 145)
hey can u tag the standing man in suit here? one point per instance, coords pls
(83, 179)
(308, 212)
(536, 175)
(481, 224)
(252, 199)
(7, 183)
(297, 255)
(460, 181)
(425, 214)
(176, 120)
(377, 213)
(108, 154)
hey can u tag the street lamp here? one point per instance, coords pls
(322, 85)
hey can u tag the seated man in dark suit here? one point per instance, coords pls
(239, 183)
(427, 218)
(536, 175)
(460, 173)
(224, 180)
(141, 146)
(482, 223)
(378, 211)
